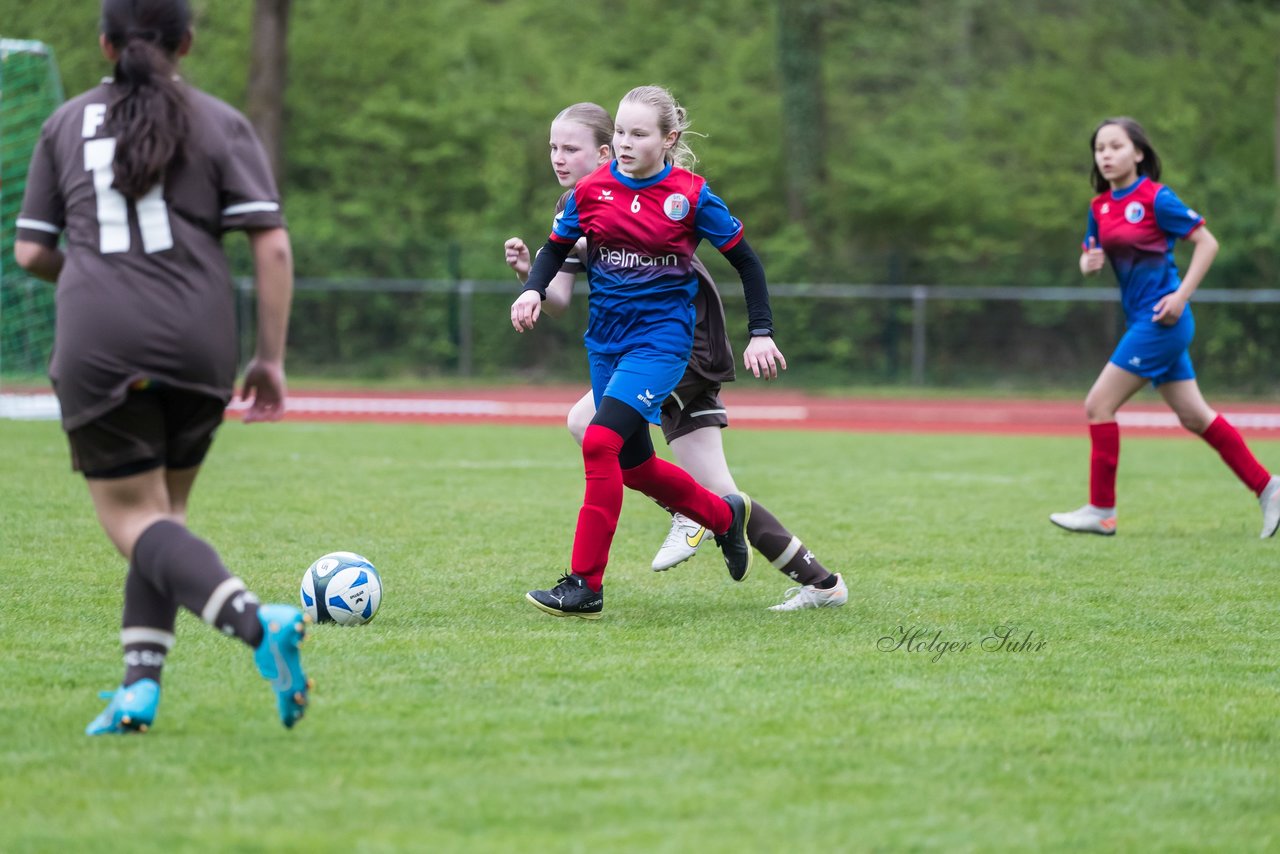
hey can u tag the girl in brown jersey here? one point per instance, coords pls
(142, 175)
(692, 417)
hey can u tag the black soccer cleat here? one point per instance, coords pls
(571, 597)
(733, 542)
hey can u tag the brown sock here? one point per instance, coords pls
(784, 550)
(146, 630)
(185, 569)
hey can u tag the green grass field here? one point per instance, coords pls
(689, 718)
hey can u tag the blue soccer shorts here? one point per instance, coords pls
(1157, 352)
(640, 378)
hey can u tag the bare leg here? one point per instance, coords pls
(179, 483)
(701, 454)
(1185, 399)
(580, 416)
(127, 506)
(1111, 390)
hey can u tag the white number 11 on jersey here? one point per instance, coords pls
(113, 207)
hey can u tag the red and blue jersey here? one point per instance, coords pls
(1137, 227)
(641, 236)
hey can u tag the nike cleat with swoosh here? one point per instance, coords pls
(278, 660)
(681, 543)
(132, 709)
(733, 542)
(571, 597)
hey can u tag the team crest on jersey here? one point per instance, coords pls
(1134, 212)
(676, 207)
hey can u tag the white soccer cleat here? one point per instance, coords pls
(1270, 503)
(681, 543)
(1087, 520)
(809, 596)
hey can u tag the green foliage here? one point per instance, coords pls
(955, 134)
(689, 718)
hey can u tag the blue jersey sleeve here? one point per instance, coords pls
(714, 223)
(1173, 216)
(567, 228)
(1090, 230)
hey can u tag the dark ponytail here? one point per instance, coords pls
(149, 115)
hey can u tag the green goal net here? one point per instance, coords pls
(30, 89)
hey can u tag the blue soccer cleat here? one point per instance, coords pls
(283, 628)
(132, 709)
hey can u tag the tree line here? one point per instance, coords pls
(879, 141)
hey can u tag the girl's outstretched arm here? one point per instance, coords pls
(761, 356)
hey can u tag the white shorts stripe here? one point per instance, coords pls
(787, 554)
(702, 412)
(679, 402)
(38, 225)
(224, 591)
(138, 634)
(250, 207)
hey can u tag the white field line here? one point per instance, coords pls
(485, 408)
(44, 407)
(29, 407)
(1250, 420)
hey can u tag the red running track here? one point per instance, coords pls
(770, 408)
(761, 407)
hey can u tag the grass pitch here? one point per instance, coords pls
(1132, 707)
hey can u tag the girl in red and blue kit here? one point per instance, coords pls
(643, 216)
(1134, 223)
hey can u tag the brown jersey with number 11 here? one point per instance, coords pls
(145, 294)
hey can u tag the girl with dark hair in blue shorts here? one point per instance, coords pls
(1134, 223)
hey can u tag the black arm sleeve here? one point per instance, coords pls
(545, 266)
(747, 263)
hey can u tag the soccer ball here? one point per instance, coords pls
(342, 588)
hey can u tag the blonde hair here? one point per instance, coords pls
(671, 117)
(593, 117)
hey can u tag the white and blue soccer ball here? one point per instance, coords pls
(342, 588)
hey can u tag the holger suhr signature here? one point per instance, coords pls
(1008, 639)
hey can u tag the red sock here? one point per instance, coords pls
(601, 505)
(1229, 444)
(1104, 459)
(673, 487)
